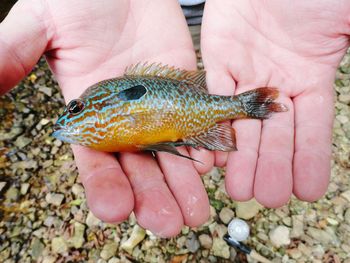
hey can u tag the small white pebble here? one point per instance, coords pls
(238, 229)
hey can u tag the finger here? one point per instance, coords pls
(313, 125)
(241, 165)
(187, 187)
(273, 178)
(23, 39)
(108, 191)
(205, 160)
(220, 82)
(155, 207)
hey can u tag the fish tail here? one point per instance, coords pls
(259, 103)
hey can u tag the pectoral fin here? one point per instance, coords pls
(169, 147)
(220, 137)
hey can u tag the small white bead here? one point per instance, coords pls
(238, 229)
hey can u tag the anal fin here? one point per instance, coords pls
(220, 137)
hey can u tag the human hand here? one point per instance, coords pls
(296, 47)
(85, 42)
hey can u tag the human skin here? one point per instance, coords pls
(85, 42)
(88, 41)
(295, 46)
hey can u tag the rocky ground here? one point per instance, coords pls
(44, 216)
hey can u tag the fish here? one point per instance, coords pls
(155, 107)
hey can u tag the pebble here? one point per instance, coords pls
(342, 119)
(322, 236)
(185, 230)
(181, 241)
(59, 245)
(206, 241)
(54, 199)
(318, 251)
(220, 248)
(22, 141)
(332, 221)
(78, 191)
(92, 220)
(345, 98)
(77, 240)
(44, 121)
(297, 226)
(192, 243)
(24, 188)
(346, 195)
(347, 216)
(114, 260)
(218, 230)
(109, 250)
(26, 165)
(2, 185)
(294, 253)
(46, 90)
(49, 259)
(247, 210)
(137, 235)
(12, 194)
(37, 248)
(226, 214)
(49, 221)
(280, 236)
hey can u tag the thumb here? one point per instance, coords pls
(23, 39)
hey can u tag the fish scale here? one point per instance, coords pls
(156, 108)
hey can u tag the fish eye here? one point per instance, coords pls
(75, 106)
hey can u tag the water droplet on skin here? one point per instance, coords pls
(164, 211)
(320, 99)
(191, 202)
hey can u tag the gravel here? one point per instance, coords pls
(44, 216)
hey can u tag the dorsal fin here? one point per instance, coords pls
(195, 77)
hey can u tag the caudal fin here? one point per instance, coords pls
(259, 103)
